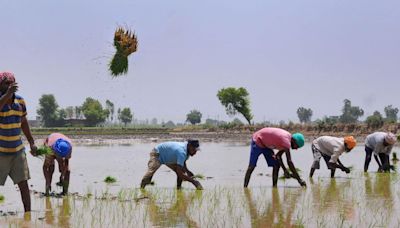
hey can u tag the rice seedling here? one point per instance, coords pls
(42, 151)
(2, 198)
(199, 176)
(289, 175)
(110, 180)
(125, 42)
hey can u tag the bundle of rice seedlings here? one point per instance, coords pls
(110, 180)
(199, 176)
(125, 41)
(290, 174)
(43, 151)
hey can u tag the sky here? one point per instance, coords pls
(287, 54)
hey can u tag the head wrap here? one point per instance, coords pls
(7, 76)
(62, 147)
(390, 138)
(299, 139)
(350, 142)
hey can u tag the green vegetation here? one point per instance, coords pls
(43, 151)
(360, 201)
(49, 112)
(2, 198)
(194, 117)
(125, 42)
(290, 175)
(125, 115)
(350, 114)
(236, 100)
(375, 121)
(199, 176)
(391, 114)
(110, 180)
(304, 114)
(93, 112)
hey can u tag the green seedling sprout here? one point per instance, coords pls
(43, 151)
(110, 180)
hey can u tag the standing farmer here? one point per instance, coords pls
(330, 148)
(381, 143)
(264, 142)
(62, 149)
(13, 161)
(173, 155)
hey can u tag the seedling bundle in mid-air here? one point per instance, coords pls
(125, 42)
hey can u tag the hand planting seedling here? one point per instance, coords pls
(199, 176)
(43, 151)
(289, 175)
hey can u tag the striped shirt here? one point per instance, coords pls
(10, 126)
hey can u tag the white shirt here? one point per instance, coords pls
(331, 146)
(375, 142)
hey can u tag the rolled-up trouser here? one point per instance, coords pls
(317, 157)
(152, 166)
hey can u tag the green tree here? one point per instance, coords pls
(304, 114)
(78, 112)
(194, 117)
(125, 116)
(391, 114)
(236, 101)
(350, 114)
(48, 110)
(93, 112)
(110, 108)
(375, 120)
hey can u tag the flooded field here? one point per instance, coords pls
(355, 199)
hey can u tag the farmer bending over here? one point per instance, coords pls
(173, 155)
(264, 142)
(62, 148)
(381, 143)
(330, 148)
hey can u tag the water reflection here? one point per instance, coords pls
(379, 197)
(64, 213)
(176, 214)
(333, 199)
(275, 214)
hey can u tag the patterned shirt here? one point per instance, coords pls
(10, 126)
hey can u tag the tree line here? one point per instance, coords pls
(91, 111)
(234, 100)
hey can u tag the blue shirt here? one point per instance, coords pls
(10, 126)
(172, 153)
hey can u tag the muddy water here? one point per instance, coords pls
(352, 199)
